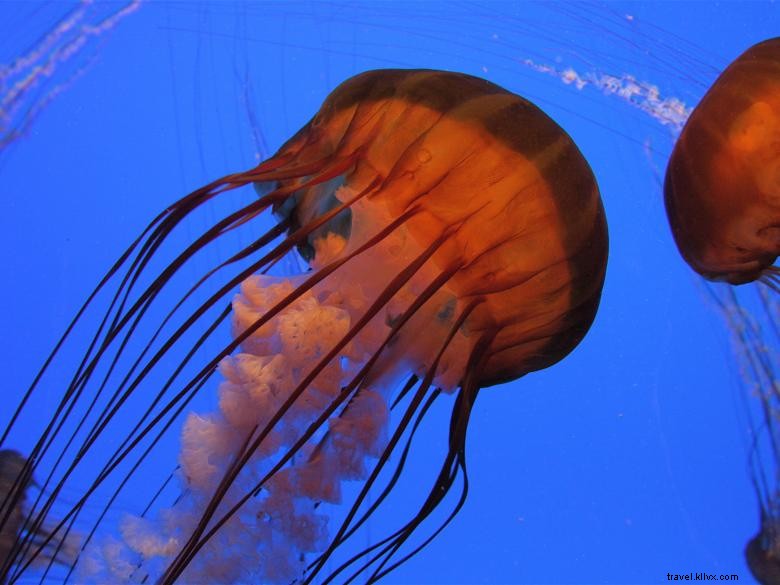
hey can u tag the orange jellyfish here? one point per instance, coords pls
(722, 193)
(455, 239)
(722, 186)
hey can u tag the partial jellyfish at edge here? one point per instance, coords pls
(722, 194)
(722, 186)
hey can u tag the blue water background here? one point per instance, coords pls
(622, 463)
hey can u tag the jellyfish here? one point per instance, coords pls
(15, 483)
(722, 187)
(722, 194)
(761, 557)
(12, 482)
(454, 239)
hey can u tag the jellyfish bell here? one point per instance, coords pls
(763, 556)
(461, 156)
(455, 238)
(722, 187)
